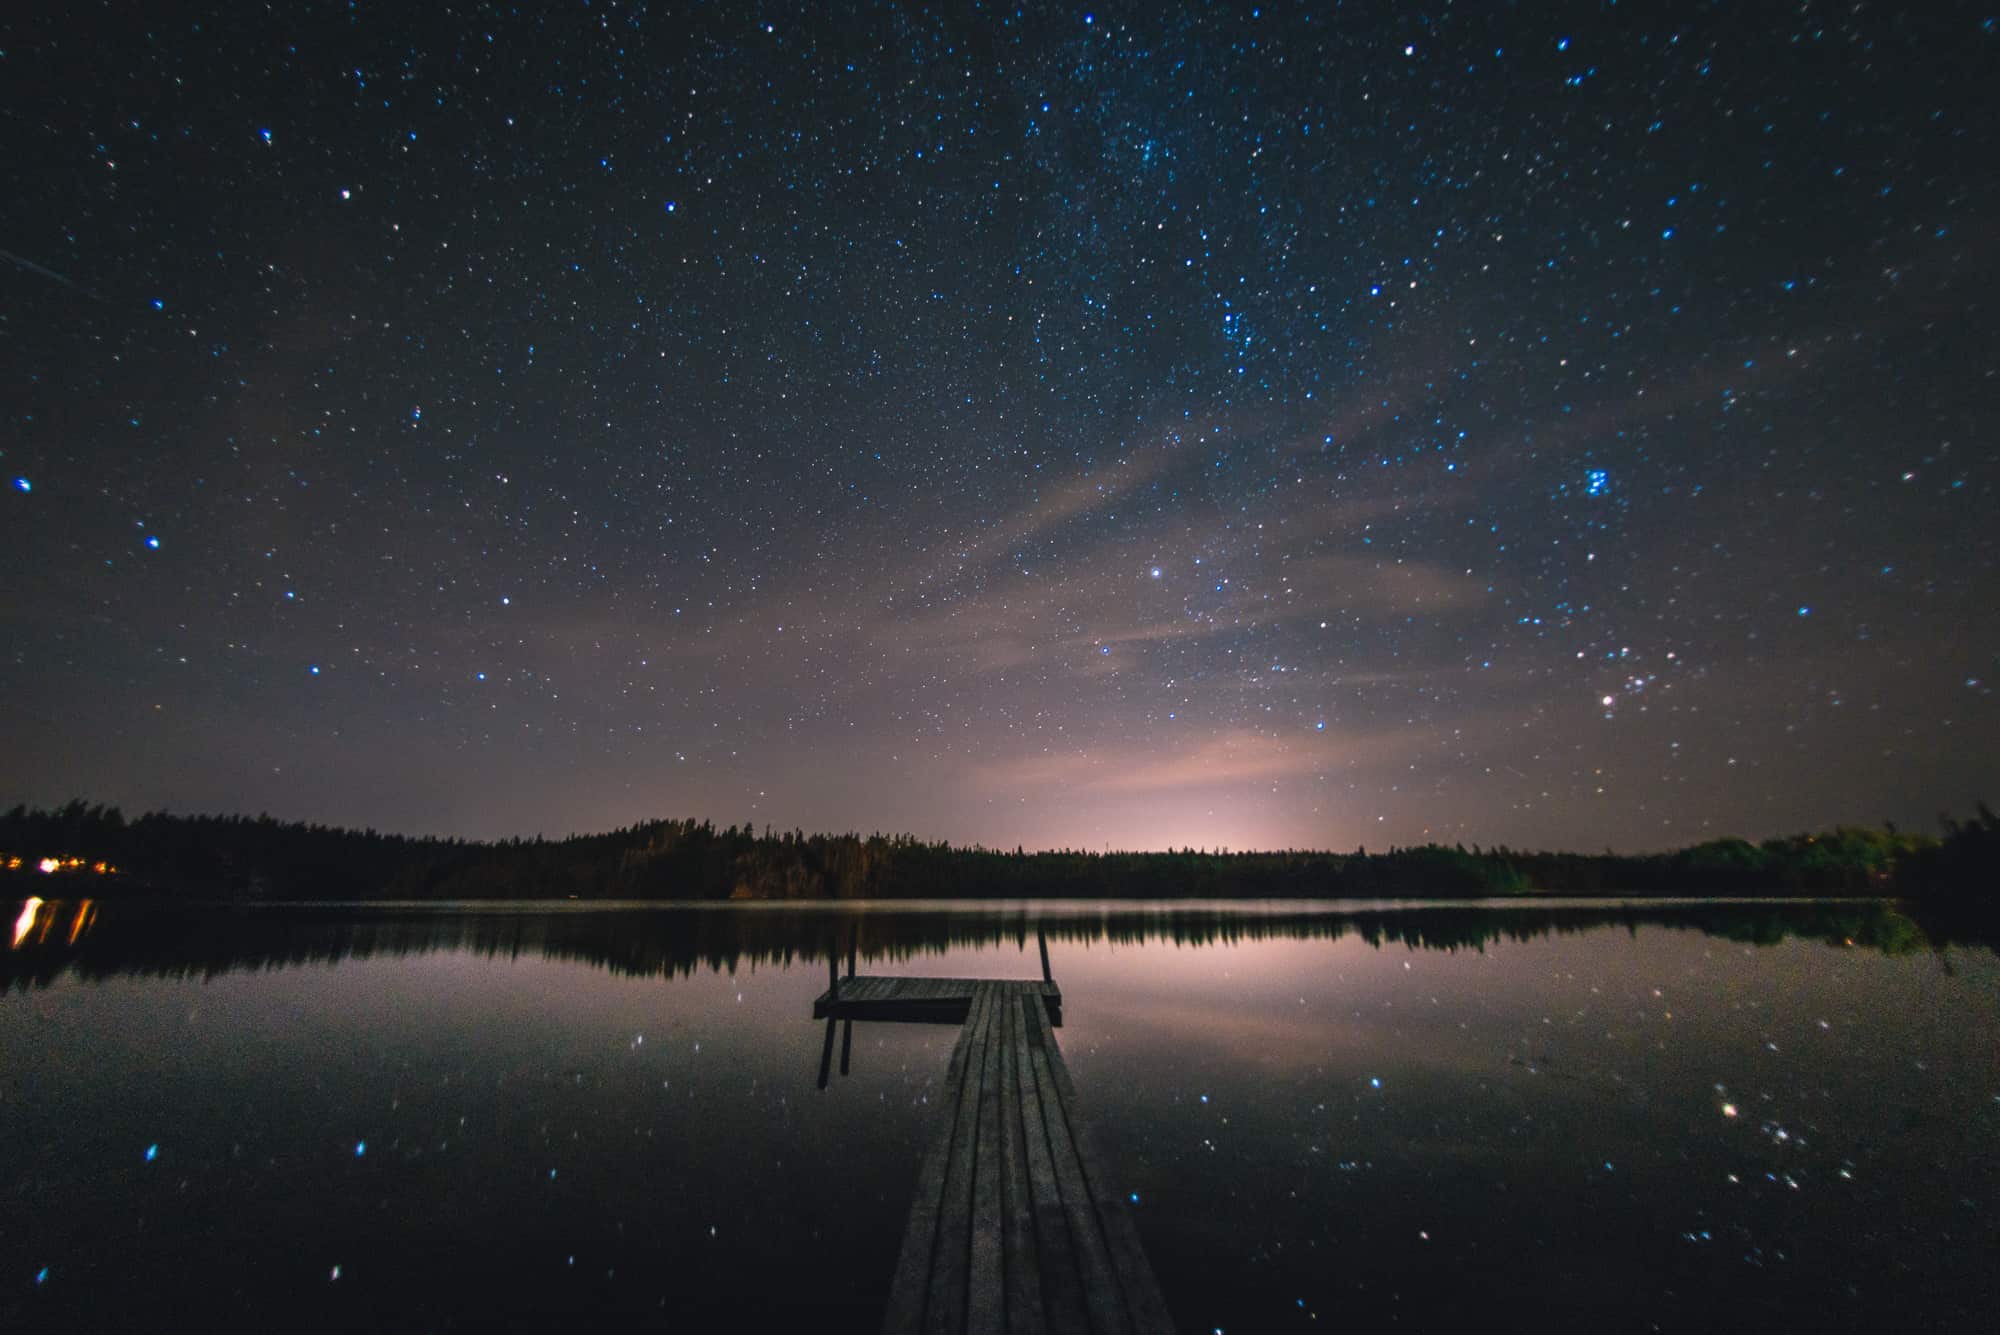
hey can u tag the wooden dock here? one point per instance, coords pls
(917, 1000)
(1016, 1226)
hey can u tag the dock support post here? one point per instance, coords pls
(1043, 941)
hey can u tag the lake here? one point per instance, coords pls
(1591, 1116)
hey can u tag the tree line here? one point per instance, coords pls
(243, 857)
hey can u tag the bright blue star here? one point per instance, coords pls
(22, 484)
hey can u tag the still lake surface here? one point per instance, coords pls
(1594, 1116)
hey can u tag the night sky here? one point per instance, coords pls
(1308, 425)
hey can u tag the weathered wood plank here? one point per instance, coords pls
(1062, 1287)
(1024, 1272)
(1146, 1306)
(907, 1290)
(944, 1304)
(1102, 1296)
(986, 1274)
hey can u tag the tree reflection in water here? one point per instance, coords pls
(91, 940)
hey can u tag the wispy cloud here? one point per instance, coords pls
(1351, 583)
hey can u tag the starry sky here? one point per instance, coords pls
(1317, 425)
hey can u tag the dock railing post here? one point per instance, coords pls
(1043, 941)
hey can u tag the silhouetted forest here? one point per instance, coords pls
(240, 857)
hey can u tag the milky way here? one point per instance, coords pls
(1564, 426)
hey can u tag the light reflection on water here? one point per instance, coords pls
(1433, 1114)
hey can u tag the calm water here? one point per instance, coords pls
(1595, 1118)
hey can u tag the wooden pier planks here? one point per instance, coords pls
(916, 1000)
(913, 1265)
(1146, 1308)
(1015, 1226)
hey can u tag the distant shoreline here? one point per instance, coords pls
(94, 850)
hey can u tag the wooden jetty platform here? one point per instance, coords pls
(917, 1000)
(1016, 1225)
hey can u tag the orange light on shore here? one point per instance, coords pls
(50, 866)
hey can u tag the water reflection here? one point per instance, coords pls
(1604, 1115)
(25, 924)
(92, 941)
